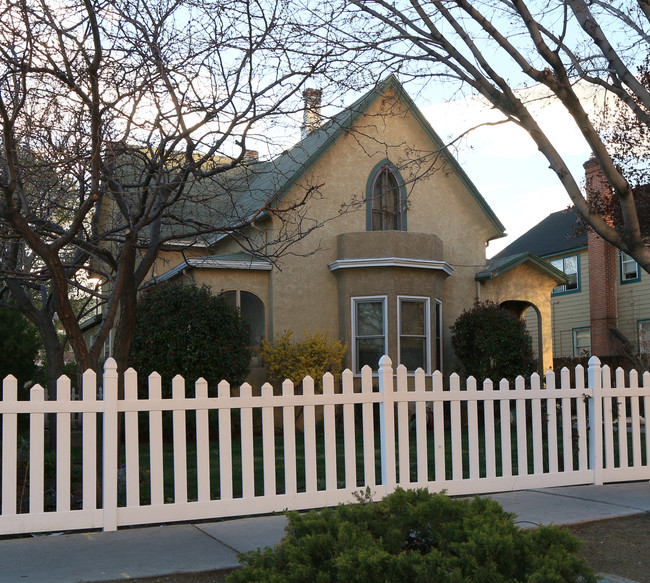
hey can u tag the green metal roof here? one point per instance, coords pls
(499, 265)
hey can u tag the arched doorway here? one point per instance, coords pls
(529, 312)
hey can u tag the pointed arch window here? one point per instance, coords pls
(386, 201)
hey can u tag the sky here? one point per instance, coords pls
(505, 165)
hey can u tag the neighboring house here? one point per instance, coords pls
(604, 307)
(402, 257)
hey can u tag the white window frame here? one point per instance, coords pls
(427, 328)
(439, 338)
(358, 300)
(626, 259)
(577, 350)
(562, 288)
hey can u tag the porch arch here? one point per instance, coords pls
(519, 308)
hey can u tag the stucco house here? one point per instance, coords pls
(604, 307)
(400, 253)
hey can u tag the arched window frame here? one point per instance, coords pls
(375, 174)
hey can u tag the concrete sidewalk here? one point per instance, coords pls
(185, 548)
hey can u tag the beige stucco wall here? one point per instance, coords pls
(527, 285)
(444, 223)
(305, 294)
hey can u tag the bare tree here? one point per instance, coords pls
(125, 127)
(495, 48)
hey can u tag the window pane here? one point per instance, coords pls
(571, 264)
(412, 353)
(412, 318)
(369, 351)
(370, 319)
(386, 202)
(581, 342)
(629, 267)
(571, 269)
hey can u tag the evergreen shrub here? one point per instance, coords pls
(183, 329)
(415, 536)
(493, 343)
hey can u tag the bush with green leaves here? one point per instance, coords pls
(313, 356)
(184, 329)
(493, 343)
(19, 346)
(415, 536)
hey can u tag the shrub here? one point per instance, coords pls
(314, 356)
(415, 536)
(184, 329)
(19, 346)
(491, 342)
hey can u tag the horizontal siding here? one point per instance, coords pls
(570, 311)
(633, 305)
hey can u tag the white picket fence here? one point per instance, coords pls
(409, 433)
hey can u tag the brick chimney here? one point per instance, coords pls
(603, 276)
(312, 115)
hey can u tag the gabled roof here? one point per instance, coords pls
(556, 234)
(267, 182)
(499, 265)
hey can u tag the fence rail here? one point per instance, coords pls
(230, 455)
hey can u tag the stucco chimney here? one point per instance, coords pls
(603, 274)
(312, 115)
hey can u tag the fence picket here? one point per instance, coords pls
(622, 420)
(585, 410)
(131, 439)
(309, 418)
(369, 461)
(488, 420)
(421, 429)
(36, 452)
(110, 444)
(635, 417)
(387, 425)
(538, 438)
(156, 475)
(551, 424)
(439, 429)
(472, 430)
(403, 454)
(506, 427)
(9, 447)
(179, 429)
(349, 434)
(646, 410)
(268, 443)
(456, 426)
(289, 434)
(63, 394)
(89, 442)
(581, 405)
(329, 428)
(247, 446)
(567, 421)
(225, 442)
(202, 444)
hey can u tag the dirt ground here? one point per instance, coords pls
(618, 546)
